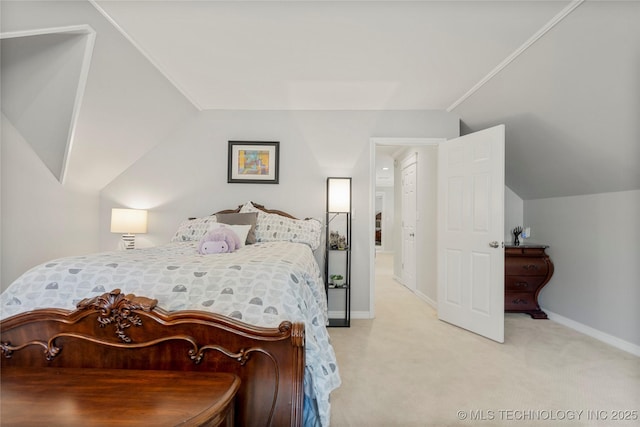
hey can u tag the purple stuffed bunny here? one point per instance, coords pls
(220, 240)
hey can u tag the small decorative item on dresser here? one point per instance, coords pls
(527, 270)
(516, 234)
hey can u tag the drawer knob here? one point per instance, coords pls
(522, 284)
(519, 301)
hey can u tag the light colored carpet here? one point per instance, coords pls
(407, 368)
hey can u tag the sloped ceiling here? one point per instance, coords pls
(128, 106)
(43, 79)
(571, 105)
(343, 55)
(562, 75)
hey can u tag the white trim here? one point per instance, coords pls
(534, 38)
(594, 333)
(426, 299)
(372, 226)
(354, 315)
(72, 29)
(398, 279)
(361, 315)
(145, 54)
(82, 84)
(402, 142)
(82, 79)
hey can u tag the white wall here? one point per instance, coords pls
(388, 231)
(595, 246)
(128, 107)
(186, 175)
(40, 77)
(513, 213)
(41, 219)
(427, 285)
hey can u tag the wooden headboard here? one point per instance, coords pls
(258, 206)
(115, 331)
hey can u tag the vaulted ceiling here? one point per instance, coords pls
(562, 75)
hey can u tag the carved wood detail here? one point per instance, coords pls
(276, 376)
(117, 308)
(260, 207)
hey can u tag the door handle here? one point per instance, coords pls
(494, 244)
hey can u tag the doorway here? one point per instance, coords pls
(397, 149)
(469, 202)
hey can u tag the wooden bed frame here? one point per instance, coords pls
(258, 206)
(115, 331)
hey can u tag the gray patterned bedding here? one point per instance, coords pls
(261, 284)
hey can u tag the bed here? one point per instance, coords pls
(268, 293)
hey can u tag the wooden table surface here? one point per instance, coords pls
(108, 397)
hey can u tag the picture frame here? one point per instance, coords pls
(254, 162)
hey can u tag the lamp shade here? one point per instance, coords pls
(339, 194)
(131, 221)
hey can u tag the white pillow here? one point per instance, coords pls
(274, 228)
(240, 230)
(193, 229)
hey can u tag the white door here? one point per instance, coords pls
(470, 232)
(409, 205)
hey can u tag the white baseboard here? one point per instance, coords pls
(361, 315)
(428, 300)
(354, 314)
(398, 279)
(594, 333)
(580, 327)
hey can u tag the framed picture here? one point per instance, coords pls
(253, 162)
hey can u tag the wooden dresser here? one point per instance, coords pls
(527, 269)
(71, 397)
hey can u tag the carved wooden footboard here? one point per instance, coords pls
(115, 331)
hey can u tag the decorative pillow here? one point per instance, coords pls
(193, 229)
(249, 218)
(274, 227)
(241, 230)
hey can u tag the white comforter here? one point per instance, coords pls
(261, 284)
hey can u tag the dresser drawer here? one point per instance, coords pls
(519, 301)
(526, 266)
(523, 283)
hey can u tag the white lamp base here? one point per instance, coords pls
(128, 241)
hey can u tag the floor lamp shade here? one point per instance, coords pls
(339, 194)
